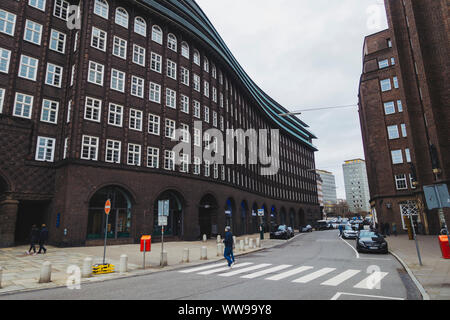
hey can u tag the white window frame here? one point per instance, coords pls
(184, 104)
(138, 55)
(5, 59)
(196, 107)
(115, 115)
(113, 151)
(47, 145)
(101, 8)
(171, 69)
(136, 118)
(120, 47)
(384, 85)
(89, 146)
(93, 109)
(54, 75)
(121, 17)
(153, 157)
(49, 111)
(156, 62)
(172, 42)
(169, 160)
(185, 76)
(33, 29)
(96, 73)
(392, 135)
(196, 57)
(171, 98)
(9, 22)
(170, 127)
(399, 178)
(2, 99)
(27, 67)
(61, 9)
(140, 26)
(389, 108)
(185, 50)
(26, 107)
(134, 155)
(397, 156)
(155, 92)
(137, 86)
(154, 124)
(101, 37)
(157, 34)
(118, 80)
(38, 4)
(57, 41)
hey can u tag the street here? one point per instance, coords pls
(313, 266)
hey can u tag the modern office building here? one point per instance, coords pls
(320, 193)
(404, 111)
(89, 107)
(356, 186)
(328, 190)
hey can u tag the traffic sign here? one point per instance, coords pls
(163, 208)
(108, 206)
(260, 212)
(437, 196)
(162, 221)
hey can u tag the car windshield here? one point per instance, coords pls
(347, 227)
(369, 234)
(281, 228)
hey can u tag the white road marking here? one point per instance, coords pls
(339, 294)
(267, 271)
(240, 265)
(289, 273)
(357, 253)
(344, 276)
(371, 281)
(233, 273)
(203, 268)
(314, 275)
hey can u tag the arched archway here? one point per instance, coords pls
(301, 218)
(244, 216)
(119, 220)
(231, 215)
(207, 216)
(292, 221)
(175, 220)
(273, 218)
(283, 217)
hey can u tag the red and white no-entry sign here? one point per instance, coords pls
(108, 206)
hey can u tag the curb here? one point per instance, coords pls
(424, 294)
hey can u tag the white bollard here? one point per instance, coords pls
(258, 242)
(46, 272)
(163, 262)
(219, 239)
(204, 238)
(204, 253)
(241, 245)
(234, 241)
(219, 250)
(246, 241)
(1, 271)
(251, 244)
(185, 255)
(123, 264)
(86, 272)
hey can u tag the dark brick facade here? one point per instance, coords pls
(59, 192)
(418, 33)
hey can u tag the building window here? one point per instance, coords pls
(120, 48)
(206, 114)
(395, 80)
(134, 154)
(45, 149)
(101, 8)
(117, 80)
(139, 55)
(197, 137)
(404, 132)
(185, 76)
(157, 34)
(206, 64)
(196, 109)
(185, 133)
(197, 163)
(23, 106)
(393, 132)
(184, 102)
(2, 99)
(54, 75)
(113, 149)
(170, 129)
(153, 124)
(397, 156)
(115, 115)
(196, 83)
(207, 168)
(171, 98)
(96, 71)
(400, 182)
(140, 26)
(33, 32)
(89, 148)
(172, 42)
(58, 41)
(196, 57)
(28, 68)
(98, 39)
(61, 9)
(408, 155)
(171, 69)
(215, 119)
(185, 50)
(399, 106)
(122, 17)
(137, 86)
(92, 109)
(383, 63)
(5, 57)
(153, 157)
(169, 160)
(155, 92)
(49, 111)
(156, 62)
(385, 85)
(7, 22)
(206, 89)
(389, 108)
(38, 4)
(136, 120)
(214, 97)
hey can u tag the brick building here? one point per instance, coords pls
(404, 109)
(89, 113)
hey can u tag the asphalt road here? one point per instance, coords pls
(312, 266)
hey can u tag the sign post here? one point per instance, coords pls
(163, 214)
(437, 197)
(261, 226)
(107, 211)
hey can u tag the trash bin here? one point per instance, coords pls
(146, 243)
(445, 248)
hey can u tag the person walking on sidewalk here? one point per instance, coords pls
(34, 238)
(394, 229)
(228, 241)
(43, 237)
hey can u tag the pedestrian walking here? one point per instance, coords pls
(394, 229)
(34, 238)
(43, 237)
(388, 229)
(341, 228)
(228, 241)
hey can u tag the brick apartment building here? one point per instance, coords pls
(88, 114)
(404, 105)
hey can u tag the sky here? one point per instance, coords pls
(305, 54)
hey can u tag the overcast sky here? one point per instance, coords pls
(305, 53)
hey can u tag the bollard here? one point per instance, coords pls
(234, 241)
(123, 264)
(258, 242)
(241, 245)
(246, 241)
(204, 253)
(185, 258)
(46, 272)
(204, 238)
(219, 250)
(1, 271)
(163, 262)
(219, 239)
(86, 272)
(251, 244)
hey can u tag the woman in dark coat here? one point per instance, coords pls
(34, 238)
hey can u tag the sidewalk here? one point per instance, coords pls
(21, 271)
(434, 275)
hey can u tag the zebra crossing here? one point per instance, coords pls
(294, 274)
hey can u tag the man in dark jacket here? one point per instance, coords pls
(43, 237)
(34, 238)
(228, 241)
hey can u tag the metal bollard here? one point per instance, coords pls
(241, 245)
(204, 253)
(86, 272)
(163, 262)
(46, 272)
(123, 264)
(185, 258)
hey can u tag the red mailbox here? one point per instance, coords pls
(147, 240)
(445, 248)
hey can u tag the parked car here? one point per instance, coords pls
(291, 232)
(371, 241)
(322, 225)
(280, 233)
(307, 228)
(349, 233)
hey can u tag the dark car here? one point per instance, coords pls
(280, 233)
(322, 225)
(291, 232)
(371, 241)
